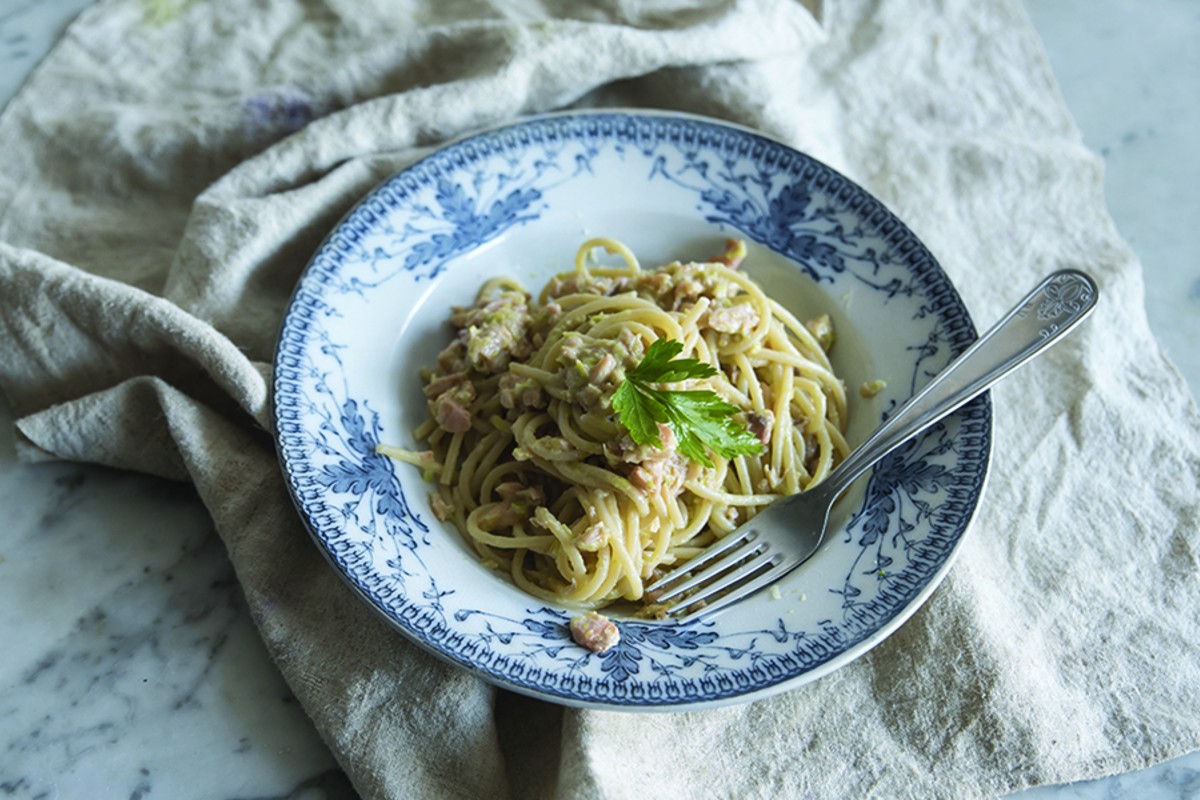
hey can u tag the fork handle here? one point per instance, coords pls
(1048, 313)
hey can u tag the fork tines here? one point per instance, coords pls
(743, 560)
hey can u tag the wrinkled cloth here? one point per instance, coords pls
(171, 166)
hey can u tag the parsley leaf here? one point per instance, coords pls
(659, 365)
(700, 419)
(636, 414)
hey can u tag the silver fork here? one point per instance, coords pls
(787, 533)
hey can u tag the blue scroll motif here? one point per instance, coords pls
(472, 222)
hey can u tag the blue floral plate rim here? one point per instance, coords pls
(535, 665)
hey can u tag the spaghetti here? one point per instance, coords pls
(534, 467)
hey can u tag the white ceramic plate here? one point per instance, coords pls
(371, 309)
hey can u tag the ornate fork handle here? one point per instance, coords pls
(1054, 308)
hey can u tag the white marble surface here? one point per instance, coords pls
(132, 667)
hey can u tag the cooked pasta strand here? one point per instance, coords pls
(532, 464)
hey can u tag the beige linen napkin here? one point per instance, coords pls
(170, 167)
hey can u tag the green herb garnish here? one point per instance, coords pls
(698, 418)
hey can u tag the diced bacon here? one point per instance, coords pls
(451, 414)
(571, 345)
(444, 383)
(493, 332)
(642, 478)
(490, 348)
(737, 318)
(761, 424)
(632, 343)
(669, 471)
(603, 368)
(687, 290)
(656, 283)
(520, 393)
(594, 631)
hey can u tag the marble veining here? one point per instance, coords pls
(131, 667)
